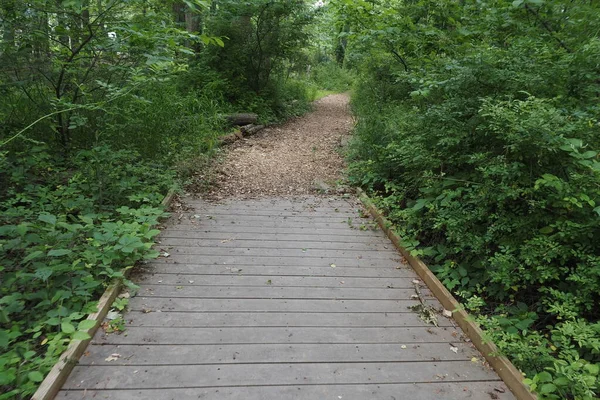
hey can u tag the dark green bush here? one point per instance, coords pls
(485, 156)
(62, 240)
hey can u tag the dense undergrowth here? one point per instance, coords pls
(481, 143)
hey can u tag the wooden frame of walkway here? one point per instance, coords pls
(287, 299)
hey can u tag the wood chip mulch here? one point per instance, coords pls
(298, 157)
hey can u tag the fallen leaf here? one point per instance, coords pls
(112, 315)
(332, 265)
(191, 281)
(125, 295)
(416, 281)
(164, 254)
(454, 349)
(269, 282)
(112, 357)
(447, 313)
(178, 287)
(403, 346)
(474, 359)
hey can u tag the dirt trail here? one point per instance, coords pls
(288, 159)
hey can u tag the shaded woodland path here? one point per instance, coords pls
(290, 158)
(275, 293)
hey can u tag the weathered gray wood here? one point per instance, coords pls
(332, 239)
(339, 262)
(242, 217)
(234, 231)
(217, 212)
(251, 129)
(274, 292)
(262, 222)
(242, 118)
(298, 252)
(282, 299)
(274, 353)
(308, 245)
(275, 281)
(282, 271)
(320, 334)
(256, 215)
(437, 390)
(298, 203)
(140, 303)
(276, 374)
(277, 319)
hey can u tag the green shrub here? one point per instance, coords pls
(330, 76)
(65, 233)
(486, 159)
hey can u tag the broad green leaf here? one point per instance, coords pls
(547, 388)
(59, 252)
(86, 324)
(35, 376)
(67, 327)
(544, 377)
(48, 218)
(33, 255)
(81, 335)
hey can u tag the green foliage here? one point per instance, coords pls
(481, 141)
(330, 76)
(61, 242)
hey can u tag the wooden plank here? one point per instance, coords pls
(281, 271)
(234, 229)
(279, 203)
(276, 374)
(505, 369)
(320, 334)
(143, 355)
(204, 212)
(274, 281)
(373, 245)
(430, 391)
(221, 237)
(277, 319)
(275, 252)
(213, 224)
(255, 215)
(275, 292)
(140, 303)
(234, 261)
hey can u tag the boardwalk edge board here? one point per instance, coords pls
(58, 375)
(511, 376)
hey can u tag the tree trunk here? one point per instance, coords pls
(179, 13)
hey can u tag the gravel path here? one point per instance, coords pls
(295, 158)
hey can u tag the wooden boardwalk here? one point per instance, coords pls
(279, 299)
